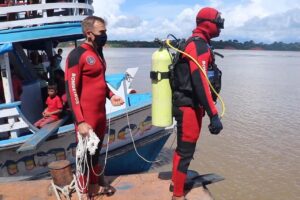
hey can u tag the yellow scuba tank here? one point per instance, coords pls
(161, 89)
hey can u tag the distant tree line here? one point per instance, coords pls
(275, 46)
(229, 44)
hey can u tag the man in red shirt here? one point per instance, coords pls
(87, 90)
(53, 109)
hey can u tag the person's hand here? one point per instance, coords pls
(116, 100)
(215, 125)
(84, 128)
(46, 114)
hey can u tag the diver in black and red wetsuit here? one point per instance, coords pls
(192, 95)
(87, 90)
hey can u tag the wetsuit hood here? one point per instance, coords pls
(206, 24)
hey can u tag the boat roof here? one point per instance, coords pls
(57, 32)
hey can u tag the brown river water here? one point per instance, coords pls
(258, 152)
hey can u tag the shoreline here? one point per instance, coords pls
(230, 45)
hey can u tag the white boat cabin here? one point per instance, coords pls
(26, 13)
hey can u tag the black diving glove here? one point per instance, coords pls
(215, 125)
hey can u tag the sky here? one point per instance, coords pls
(263, 21)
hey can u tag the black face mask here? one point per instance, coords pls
(100, 40)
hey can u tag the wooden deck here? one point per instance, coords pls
(132, 187)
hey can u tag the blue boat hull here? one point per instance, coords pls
(126, 161)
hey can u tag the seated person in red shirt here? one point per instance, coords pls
(53, 109)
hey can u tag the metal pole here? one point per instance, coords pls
(44, 11)
(6, 78)
(8, 88)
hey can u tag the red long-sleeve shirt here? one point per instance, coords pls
(85, 85)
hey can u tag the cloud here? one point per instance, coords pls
(180, 25)
(158, 20)
(237, 14)
(277, 27)
(151, 10)
(258, 20)
(108, 9)
(128, 22)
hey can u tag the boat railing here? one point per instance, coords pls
(12, 120)
(23, 13)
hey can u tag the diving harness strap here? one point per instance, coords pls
(168, 42)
